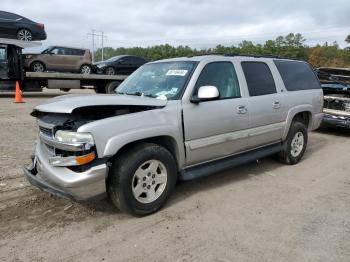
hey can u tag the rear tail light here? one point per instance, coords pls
(42, 26)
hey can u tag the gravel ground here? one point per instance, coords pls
(263, 211)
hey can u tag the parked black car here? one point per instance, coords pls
(119, 65)
(21, 28)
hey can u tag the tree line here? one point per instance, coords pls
(289, 46)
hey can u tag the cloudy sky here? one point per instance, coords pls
(197, 23)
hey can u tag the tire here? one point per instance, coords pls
(24, 35)
(110, 87)
(295, 145)
(140, 194)
(85, 69)
(110, 71)
(37, 66)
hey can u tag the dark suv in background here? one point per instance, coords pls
(60, 59)
(119, 65)
(21, 28)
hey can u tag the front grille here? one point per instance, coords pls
(50, 149)
(46, 131)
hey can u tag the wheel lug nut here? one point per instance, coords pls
(153, 182)
(149, 174)
(144, 178)
(153, 176)
(144, 185)
(148, 187)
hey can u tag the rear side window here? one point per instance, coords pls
(297, 75)
(222, 75)
(259, 78)
(78, 52)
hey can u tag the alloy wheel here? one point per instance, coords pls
(110, 71)
(24, 35)
(149, 181)
(85, 69)
(297, 144)
(38, 67)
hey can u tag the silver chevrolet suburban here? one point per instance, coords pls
(173, 119)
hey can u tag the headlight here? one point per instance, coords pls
(101, 65)
(28, 56)
(74, 137)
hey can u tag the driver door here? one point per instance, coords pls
(216, 128)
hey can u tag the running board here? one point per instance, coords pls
(216, 166)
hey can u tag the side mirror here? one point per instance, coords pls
(206, 93)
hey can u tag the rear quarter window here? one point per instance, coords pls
(297, 75)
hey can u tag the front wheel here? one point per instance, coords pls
(142, 179)
(110, 71)
(295, 145)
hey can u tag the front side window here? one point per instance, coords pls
(164, 80)
(259, 78)
(58, 51)
(222, 75)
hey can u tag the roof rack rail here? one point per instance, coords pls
(255, 56)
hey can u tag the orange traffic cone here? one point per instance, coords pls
(18, 97)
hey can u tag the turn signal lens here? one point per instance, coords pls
(82, 160)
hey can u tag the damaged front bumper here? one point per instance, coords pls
(64, 182)
(330, 120)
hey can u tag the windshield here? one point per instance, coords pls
(47, 50)
(114, 58)
(163, 80)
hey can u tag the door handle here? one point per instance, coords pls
(242, 110)
(276, 105)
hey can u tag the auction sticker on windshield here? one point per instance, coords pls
(176, 72)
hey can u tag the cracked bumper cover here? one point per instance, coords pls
(336, 121)
(64, 182)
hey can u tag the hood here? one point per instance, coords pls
(102, 63)
(68, 103)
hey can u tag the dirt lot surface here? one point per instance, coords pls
(263, 211)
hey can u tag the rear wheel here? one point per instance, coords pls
(24, 35)
(110, 71)
(85, 69)
(37, 66)
(142, 179)
(295, 144)
(110, 87)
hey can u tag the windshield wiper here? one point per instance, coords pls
(136, 94)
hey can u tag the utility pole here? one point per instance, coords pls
(93, 34)
(102, 45)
